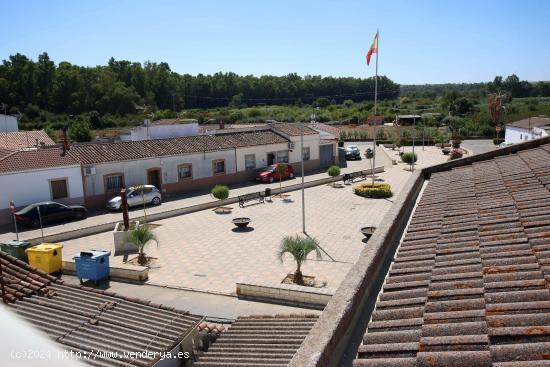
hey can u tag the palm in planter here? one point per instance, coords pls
(141, 237)
(299, 247)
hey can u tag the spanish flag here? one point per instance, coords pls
(373, 48)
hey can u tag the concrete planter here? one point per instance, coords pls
(119, 238)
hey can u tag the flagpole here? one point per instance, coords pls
(375, 102)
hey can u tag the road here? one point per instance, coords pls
(478, 146)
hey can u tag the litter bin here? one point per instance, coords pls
(45, 257)
(16, 249)
(92, 265)
(267, 193)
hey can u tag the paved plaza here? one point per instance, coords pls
(202, 251)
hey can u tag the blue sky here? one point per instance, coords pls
(423, 41)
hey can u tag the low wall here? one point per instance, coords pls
(123, 272)
(287, 294)
(385, 156)
(350, 307)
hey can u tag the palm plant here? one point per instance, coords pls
(140, 237)
(299, 247)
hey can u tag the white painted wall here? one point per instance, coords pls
(29, 187)
(164, 131)
(516, 135)
(8, 123)
(135, 172)
(311, 141)
(260, 153)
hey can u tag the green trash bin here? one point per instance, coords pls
(16, 249)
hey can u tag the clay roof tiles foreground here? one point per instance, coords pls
(259, 341)
(84, 319)
(143, 149)
(469, 283)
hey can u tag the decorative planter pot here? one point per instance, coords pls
(241, 222)
(368, 232)
(119, 238)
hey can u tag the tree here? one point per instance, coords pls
(321, 102)
(461, 106)
(140, 237)
(299, 247)
(280, 169)
(80, 131)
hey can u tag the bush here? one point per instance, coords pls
(409, 157)
(333, 171)
(456, 154)
(220, 192)
(80, 131)
(376, 191)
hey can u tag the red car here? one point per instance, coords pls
(269, 174)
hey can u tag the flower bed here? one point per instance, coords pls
(376, 190)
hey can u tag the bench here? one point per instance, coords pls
(350, 177)
(250, 197)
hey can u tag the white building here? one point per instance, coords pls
(8, 123)
(527, 129)
(162, 129)
(36, 175)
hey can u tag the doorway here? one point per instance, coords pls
(153, 177)
(270, 158)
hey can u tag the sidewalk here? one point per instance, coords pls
(106, 217)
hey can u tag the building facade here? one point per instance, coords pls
(527, 129)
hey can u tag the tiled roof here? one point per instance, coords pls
(292, 129)
(24, 139)
(25, 160)
(469, 283)
(84, 319)
(531, 122)
(5, 152)
(259, 341)
(326, 128)
(130, 150)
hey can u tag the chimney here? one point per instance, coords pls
(66, 146)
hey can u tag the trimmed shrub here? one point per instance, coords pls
(220, 192)
(333, 171)
(375, 191)
(409, 157)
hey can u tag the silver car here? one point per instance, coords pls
(139, 195)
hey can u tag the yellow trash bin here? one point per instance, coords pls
(46, 257)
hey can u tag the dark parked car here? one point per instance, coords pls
(50, 212)
(269, 174)
(353, 153)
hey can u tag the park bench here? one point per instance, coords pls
(250, 197)
(350, 177)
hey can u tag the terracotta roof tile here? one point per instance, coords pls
(33, 159)
(89, 319)
(469, 284)
(131, 150)
(24, 139)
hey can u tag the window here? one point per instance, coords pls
(59, 189)
(249, 161)
(185, 171)
(114, 182)
(520, 136)
(282, 156)
(305, 153)
(218, 166)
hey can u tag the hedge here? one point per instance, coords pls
(376, 191)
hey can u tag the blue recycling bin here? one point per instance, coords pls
(92, 265)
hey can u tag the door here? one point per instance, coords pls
(270, 158)
(325, 155)
(153, 177)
